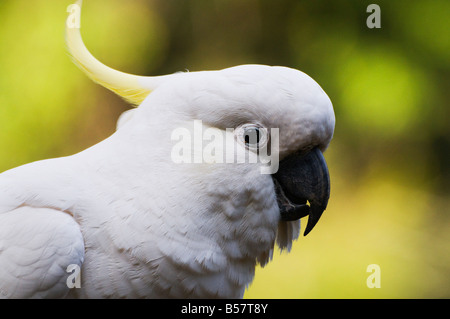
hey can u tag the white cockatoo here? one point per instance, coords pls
(142, 215)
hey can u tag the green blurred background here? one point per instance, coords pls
(390, 157)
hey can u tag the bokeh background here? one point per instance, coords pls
(390, 157)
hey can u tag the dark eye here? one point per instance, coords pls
(252, 136)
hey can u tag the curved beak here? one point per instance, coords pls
(302, 178)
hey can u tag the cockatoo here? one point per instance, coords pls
(124, 219)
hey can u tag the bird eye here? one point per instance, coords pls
(252, 135)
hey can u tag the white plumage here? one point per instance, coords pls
(140, 225)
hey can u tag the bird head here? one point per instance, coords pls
(278, 116)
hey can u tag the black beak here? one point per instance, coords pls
(303, 177)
